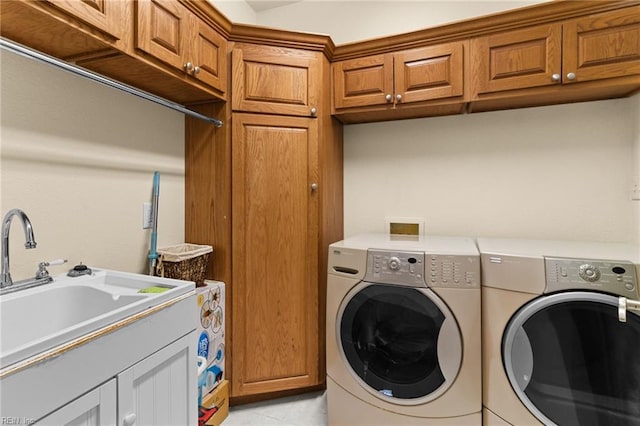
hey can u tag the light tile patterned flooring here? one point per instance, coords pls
(309, 409)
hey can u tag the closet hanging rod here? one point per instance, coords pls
(50, 60)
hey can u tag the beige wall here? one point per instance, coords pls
(236, 10)
(79, 158)
(558, 172)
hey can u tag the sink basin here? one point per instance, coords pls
(39, 319)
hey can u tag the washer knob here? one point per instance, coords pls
(394, 264)
(589, 272)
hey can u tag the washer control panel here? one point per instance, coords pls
(452, 271)
(616, 277)
(420, 269)
(403, 268)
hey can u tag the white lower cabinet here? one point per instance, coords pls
(95, 408)
(160, 390)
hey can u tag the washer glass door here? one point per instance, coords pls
(572, 362)
(393, 339)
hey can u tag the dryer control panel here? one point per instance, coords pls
(616, 277)
(419, 269)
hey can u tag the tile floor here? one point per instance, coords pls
(309, 409)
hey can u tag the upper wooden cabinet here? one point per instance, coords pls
(517, 59)
(363, 81)
(601, 46)
(169, 32)
(595, 47)
(65, 28)
(394, 80)
(276, 80)
(105, 15)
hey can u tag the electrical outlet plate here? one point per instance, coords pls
(635, 189)
(147, 221)
(405, 225)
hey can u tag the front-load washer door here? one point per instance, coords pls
(402, 344)
(572, 362)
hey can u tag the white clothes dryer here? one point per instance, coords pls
(403, 331)
(561, 342)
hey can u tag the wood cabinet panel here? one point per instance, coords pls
(602, 46)
(275, 80)
(363, 81)
(210, 56)
(275, 234)
(517, 59)
(105, 15)
(429, 73)
(162, 30)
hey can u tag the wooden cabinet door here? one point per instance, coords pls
(516, 59)
(95, 408)
(106, 15)
(209, 52)
(276, 80)
(428, 73)
(602, 46)
(163, 29)
(275, 254)
(363, 81)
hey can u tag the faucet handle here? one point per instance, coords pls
(42, 267)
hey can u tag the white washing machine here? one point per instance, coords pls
(561, 339)
(403, 331)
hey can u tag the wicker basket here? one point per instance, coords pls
(184, 262)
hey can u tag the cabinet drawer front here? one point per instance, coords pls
(275, 80)
(516, 59)
(602, 46)
(363, 81)
(106, 15)
(429, 73)
(162, 30)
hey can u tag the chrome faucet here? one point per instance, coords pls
(5, 278)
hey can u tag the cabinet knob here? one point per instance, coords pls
(188, 66)
(555, 77)
(398, 97)
(314, 111)
(196, 70)
(129, 419)
(388, 98)
(314, 186)
(571, 76)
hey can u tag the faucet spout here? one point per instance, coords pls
(30, 242)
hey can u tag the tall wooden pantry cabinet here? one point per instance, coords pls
(277, 170)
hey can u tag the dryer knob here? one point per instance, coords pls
(589, 272)
(394, 263)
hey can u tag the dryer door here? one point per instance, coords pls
(402, 343)
(572, 362)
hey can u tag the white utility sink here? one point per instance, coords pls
(38, 319)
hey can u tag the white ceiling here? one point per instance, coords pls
(260, 5)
